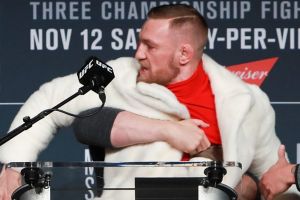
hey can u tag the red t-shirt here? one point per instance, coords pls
(196, 94)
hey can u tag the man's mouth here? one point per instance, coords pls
(143, 69)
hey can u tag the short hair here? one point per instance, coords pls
(179, 15)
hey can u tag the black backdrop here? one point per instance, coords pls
(41, 40)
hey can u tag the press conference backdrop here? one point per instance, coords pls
(40, 40)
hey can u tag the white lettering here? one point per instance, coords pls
(132, 11)
(89, 182)
(231, 35)
(130, 38)
(255, 38)
(51, 39)
(285, 10)
(247, 74)
(245, 37)
(85, 69)
(47, 10)
(36, 39)
(66, 38)
(96, 35)
(119, 10)
(88, 171)
(225, 10)
(85, 10)
(280, 10)
(265, 9)
(61, 10)
(260, 35)
(222, 9)
(283, 34)
(118, 43)
(104, 10)
(212, 34)
(87, 158)
(211, 10)
(104, 66)
(245, 7)
(34, 9)
(73, 10)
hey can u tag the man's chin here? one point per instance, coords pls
(141, 78)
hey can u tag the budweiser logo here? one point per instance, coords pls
(254, 72)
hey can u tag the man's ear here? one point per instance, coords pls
(186, 54)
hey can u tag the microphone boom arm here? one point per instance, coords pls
(28, 122)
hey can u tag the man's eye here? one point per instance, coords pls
(150, 46)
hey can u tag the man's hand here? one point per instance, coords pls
(10, 180)
(186, 136)
(278, 178)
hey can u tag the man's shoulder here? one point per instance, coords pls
(258, 92)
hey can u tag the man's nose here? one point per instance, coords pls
(140, 52)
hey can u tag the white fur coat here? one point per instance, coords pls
(246, 119)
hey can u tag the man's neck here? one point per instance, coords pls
(186, 71)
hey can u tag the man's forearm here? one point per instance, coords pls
(130, 129)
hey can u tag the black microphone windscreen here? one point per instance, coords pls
(95, 72)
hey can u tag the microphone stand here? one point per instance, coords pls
(28, 122)
(34, 176)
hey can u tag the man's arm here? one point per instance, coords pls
(125, 128)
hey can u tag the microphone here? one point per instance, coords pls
(95, 74)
